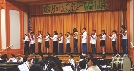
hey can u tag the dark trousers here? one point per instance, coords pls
(32, 48)
(26, 48)
(124, 46)
(75, 45)
(114, 47)
(68, 49)
(84, 47)
(55, 47)
(60, 48)
(39, 48)
(93, 48)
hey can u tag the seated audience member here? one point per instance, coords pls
(41, 62)
(71, 61)
(92, 63)
(20, 59)
(26, 65)
(82, 65)
(12, 59)
(35, 68)
(58, 63)
(81, 57)
(4, 57)
(53, 66)
(0, 56)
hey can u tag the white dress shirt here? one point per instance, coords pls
(68, 39)
(32, 40)
(124, 36)
(93, 68)
(47, 38)
(83, 70)
(11, 59)
(72, 62)
(55, 38)
(113, 37)
(76, 37)
(40, 38)
(26, 38)
(93, 39)
(84, 37)
(103, 37)
(24, 66)
(61, 39)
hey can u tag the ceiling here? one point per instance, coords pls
(35, 2)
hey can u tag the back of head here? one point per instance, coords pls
(94, 60)
(82, 64)
(35, 68)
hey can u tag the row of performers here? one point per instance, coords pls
(75, 34)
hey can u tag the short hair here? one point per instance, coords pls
(82, 64)
(52, 64)
(71, 56)
(94, 30)
(35, 67)
(84, 29)
(94, 60)
(114, 31)
(81, 57)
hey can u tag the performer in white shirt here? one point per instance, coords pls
(84, 41)
(32, 42)
(60, 43)
(26, 48)
(93, 42)
(102, 41)
(39, 42)
(75, 35)
(55, 42)
(92, 63)
(68, 49)
(47, 38)
(113, 38)
(124, 40)
(82, 65)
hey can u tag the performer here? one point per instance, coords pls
(26, 48)
(93, 42)
(75, 32)
(102, 41)
(124, 40)
(113, 38)
(47, 38)
(68, 49)
(32, 42)
(84, 41)
(55, 42)
(61, 44)
(39, 42)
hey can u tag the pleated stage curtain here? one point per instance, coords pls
(62, 23)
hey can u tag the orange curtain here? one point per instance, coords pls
(63, 23)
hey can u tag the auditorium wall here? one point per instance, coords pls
(15, 25)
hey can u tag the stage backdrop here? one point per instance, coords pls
(109, 20)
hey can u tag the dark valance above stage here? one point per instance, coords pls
(112, 5)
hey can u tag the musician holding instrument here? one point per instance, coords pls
(60, 38)
(84, 41)
(93, 41)
(124, 40)
(75, 35)
(26, 48)
(102, 41)
(113, 38)
(32, 43)
(47, 38)
(39, 37)
(55, 42)
(68, 49)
